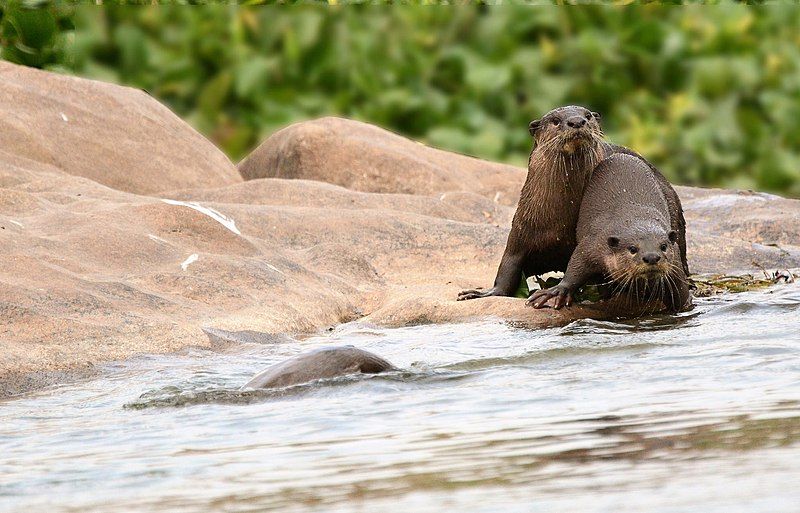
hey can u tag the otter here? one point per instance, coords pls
(568, 144)
(324, 363)
(626, 239)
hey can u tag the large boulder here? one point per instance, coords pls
(366, 158)
(114, 135)
(92, 273)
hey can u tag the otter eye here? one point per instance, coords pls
(589, 116)
(663, 247)
(613, 242)
(633, 250)
(673, 236)
(555, 121)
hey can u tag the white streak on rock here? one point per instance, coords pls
(275, 269)
(497, 196)
(222, 219)
(157, 239)
(192, 259)
(16, 223)
(64, 117)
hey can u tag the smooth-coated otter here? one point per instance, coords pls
(626, 239)
(568, 145)
(325, 363)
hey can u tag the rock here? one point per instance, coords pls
(366, 158)
(223, 338)
(458, 206)
(93, 272)
(102, 132)
(740, 231)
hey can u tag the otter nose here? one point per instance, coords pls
(576, 121)
(651, 258)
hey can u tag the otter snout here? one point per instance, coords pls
(651, 258)
(576, 121)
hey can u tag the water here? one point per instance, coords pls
(699, 412)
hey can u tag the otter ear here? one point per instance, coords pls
(613, 242)
(596, 115)
(673, 236)
(534, 126)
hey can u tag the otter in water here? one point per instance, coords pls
(325, 363)
(568, 145)
(626, 239)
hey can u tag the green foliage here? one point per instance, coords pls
(709, 94)
(33, 32)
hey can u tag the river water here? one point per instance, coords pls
(699, 412)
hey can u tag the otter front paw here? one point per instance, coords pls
(476, 293)
(561, 295)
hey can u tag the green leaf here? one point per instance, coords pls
(35, 28)
(522, 290)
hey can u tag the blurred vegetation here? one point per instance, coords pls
(709, 94)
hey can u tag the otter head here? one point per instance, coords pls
(648, 254)
(567, 129)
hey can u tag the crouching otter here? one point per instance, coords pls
(325, 363)
(628, 236)
(568, 145)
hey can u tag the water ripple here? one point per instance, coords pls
(659, 414)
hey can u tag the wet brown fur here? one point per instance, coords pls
(324, 363)
(542, 236)
(626, 240)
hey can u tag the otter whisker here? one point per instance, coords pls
(672, 289)
(653, 290)
(660, 291)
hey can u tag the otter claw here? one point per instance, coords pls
(470, 294)
(561, 297)
(476, 293)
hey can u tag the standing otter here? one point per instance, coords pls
(325, 363)
(626, 239)
(568, 145)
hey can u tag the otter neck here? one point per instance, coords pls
(556, 181)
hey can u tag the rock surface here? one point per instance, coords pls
(366, 158)
(114, 135)
(98, 266)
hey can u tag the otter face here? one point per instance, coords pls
(567, 128)
(649, 255)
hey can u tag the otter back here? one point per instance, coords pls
(324, 363)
